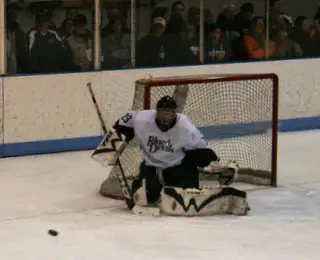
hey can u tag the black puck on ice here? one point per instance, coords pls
(53, 232)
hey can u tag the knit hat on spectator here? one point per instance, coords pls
(159, 20)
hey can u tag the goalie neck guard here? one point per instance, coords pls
(166, 110)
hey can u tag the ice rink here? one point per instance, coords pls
(60, 192)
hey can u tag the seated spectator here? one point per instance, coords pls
(45, 48)
(185, 50)
(217, 46)
(152, 49)
(255, 42)
(302, 35)
(285, 47)
(116, 46)
(176, 19)
(80, 43)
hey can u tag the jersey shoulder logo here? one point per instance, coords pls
(126, 118)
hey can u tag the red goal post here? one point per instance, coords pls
(237, 113)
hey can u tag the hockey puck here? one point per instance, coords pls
(53, 232)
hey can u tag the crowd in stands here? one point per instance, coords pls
(176, 37)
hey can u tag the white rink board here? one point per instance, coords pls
(55, 107)
(49, 107)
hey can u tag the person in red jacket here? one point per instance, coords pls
(255, 42)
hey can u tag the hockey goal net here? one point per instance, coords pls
(238, 115)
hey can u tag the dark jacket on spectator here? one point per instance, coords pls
(152, 51)
(303, 37)
(46, 52)
(230, 27)
(307, 44)
(184, 52)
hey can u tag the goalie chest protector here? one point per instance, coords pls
(204, 202)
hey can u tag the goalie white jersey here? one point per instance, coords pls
(163, 149)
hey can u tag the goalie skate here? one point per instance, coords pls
(146, 211)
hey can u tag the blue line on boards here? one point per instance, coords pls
(210, 132)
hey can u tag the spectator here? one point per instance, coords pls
(116, 46)
(315, 41)
(152, 49)
(176, 19)
(316, 21)
(45, 48)
(209, 21)
(161, 11)
(244, 17)
(255, 42)
(49, 13)
(16, 42)
(80, 43)
(71, 13)
(280, 20)
(285, 47)
(194, 17)
(302, 35)
(186, 51)
(217, 47)
(226, 22)
(66, 28)
(115, 14)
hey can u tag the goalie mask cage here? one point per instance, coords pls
(237, 114)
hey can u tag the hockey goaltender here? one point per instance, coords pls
(173, 152)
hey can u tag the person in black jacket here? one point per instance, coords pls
(152, 50)
(46, 51)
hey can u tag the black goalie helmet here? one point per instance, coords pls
(166, 110)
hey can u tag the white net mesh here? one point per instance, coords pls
(237, 115)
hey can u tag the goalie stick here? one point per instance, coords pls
(121, 177)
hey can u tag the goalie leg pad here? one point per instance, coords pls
(204, 202)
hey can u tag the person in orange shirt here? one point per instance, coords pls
(255, 42)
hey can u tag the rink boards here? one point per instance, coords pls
(54, 113)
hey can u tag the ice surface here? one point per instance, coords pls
(60, 192)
